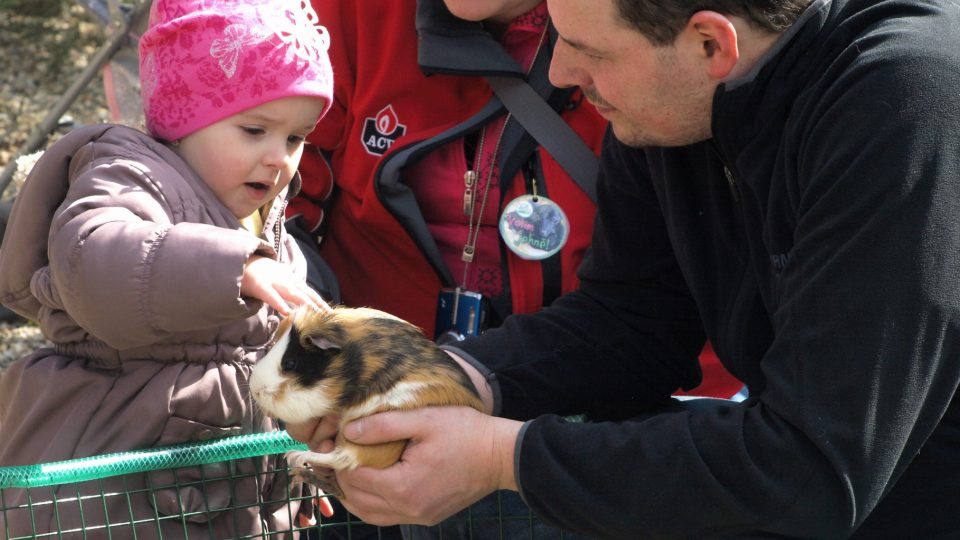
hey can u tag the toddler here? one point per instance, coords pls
(158, 266)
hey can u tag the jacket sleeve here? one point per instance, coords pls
(128, 274)
(861, 371)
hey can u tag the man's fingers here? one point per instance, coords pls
(393, 425)
(317, 433)
(383, 427)
(372, 496)
(302, 432)
(361, 498)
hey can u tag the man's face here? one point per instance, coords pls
(653, 96)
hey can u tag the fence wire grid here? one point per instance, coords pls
(237, 487)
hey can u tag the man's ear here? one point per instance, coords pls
(715, 39)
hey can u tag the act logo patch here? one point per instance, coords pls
(381, 132)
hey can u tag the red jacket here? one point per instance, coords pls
(403, 87)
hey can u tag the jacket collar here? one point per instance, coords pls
(742, 107)
(453, 46)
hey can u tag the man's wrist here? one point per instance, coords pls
(505, 447)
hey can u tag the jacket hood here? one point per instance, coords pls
(45, 188)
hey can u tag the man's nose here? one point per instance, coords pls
(562, 72)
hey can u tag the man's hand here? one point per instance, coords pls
(455, 457)
(318, 433)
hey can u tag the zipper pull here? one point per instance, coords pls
(467, 255)
(469, 180)
(732, 184)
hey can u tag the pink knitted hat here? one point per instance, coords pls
(204, 60)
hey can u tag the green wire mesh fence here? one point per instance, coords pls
(182, 455)
(237, 487)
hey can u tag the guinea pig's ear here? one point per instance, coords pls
(323, 344)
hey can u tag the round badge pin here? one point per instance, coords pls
(534, 227)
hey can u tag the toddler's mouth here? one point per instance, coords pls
(259, 188)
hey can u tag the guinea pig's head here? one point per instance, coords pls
(315, 360)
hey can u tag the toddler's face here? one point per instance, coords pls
(248, 158)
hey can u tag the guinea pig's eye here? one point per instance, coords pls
(288, 364)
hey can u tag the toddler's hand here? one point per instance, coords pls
(267, 280)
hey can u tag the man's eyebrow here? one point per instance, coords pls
(580, 46)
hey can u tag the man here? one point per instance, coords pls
(786, 180)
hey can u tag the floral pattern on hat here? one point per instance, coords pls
(204, 60)
(235, 38)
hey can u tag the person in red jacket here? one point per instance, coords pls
(384, 173)
(412, 116)
(424, 192)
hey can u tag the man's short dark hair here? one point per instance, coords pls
(662, 20)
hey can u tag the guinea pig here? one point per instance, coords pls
(353, 362)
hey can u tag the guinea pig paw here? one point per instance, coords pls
(325, 479)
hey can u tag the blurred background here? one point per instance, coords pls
(45, 48)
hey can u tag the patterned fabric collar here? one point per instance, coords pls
(534, 20)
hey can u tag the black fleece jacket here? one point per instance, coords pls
(815, 240)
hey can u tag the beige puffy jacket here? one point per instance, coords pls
(132, 268)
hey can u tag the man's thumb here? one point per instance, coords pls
(355, 430)
(378, 428)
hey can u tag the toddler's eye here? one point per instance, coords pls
(253, 130)
(295, 139)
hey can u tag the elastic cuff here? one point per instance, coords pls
(488, 375)
(516, 458)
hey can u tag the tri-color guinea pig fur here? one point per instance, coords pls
(354, 362)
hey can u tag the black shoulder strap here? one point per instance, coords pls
(549, 130)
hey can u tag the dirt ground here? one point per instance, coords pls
(40, 57)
